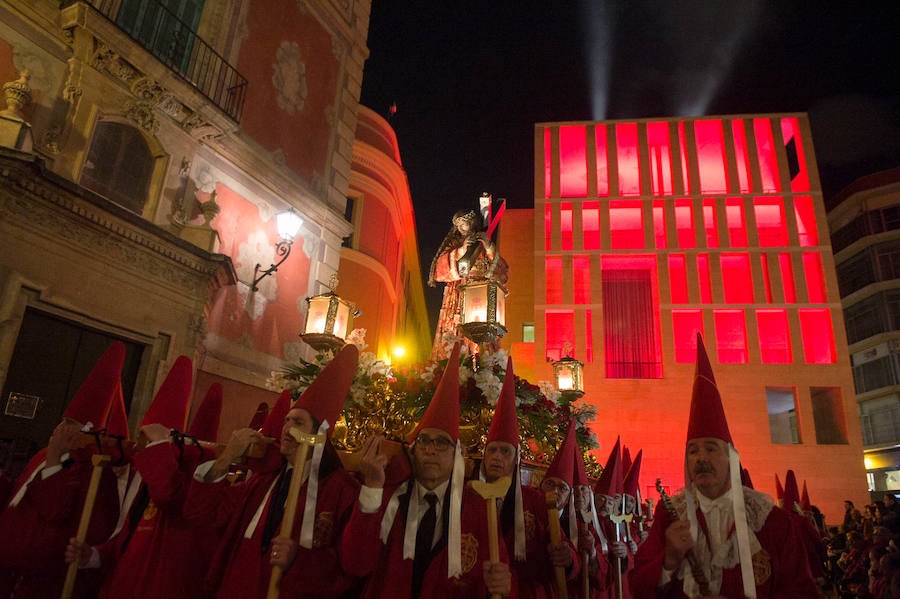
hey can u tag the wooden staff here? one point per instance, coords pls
(98, 460)
(491, 492)
(305, 441)
(556, 539)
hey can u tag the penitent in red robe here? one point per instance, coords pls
(601, 585)
(35, 532)
(159, 554)
(535, 576)
(363, 554)
(780, 567)
(239, 569)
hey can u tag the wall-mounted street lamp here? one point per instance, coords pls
(288, 224)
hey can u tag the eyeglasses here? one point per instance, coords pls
(437, 443)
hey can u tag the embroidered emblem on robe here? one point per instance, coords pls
(323, 532)
(762, 566)
(530, 526)
(150, 511)
(468, 551)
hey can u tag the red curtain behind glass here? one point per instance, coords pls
(630, 326)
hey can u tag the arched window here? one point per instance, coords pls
(119, 165)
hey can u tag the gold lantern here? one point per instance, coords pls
(568, 376)
(483, 316)
(329, 319)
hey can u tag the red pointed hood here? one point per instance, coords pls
(805, 504)
(707, 417)
(626, 460)
(92, 400)
(275, 420)
(259, 417)
(581, 477)
(170, 405)
(117, 421)
(611, 481)
(563, 464)
(442, 412)
(791, 492)
(745, 478)
(205, 423)
(505, 424)
(632, 479)
(324, 398)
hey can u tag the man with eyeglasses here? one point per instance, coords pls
(523, 512)
(427, 537)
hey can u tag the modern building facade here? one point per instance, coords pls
(865, 235)
(643, 234)
(147, 150)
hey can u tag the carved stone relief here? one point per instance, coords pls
(289, 77)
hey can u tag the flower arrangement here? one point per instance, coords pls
(390, 400)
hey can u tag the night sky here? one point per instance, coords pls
(470, 80)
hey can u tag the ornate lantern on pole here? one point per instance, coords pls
(483, 315)
(568, 376)
(329, 319)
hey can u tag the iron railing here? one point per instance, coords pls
(174, 43)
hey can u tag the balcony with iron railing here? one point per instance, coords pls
(178, 46)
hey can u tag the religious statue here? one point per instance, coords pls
(466, 253)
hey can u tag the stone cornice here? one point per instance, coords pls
(33, 198)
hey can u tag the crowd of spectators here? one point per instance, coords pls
(864, 551)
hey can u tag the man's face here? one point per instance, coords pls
(463, 226)
(432, 457)
(707, 461)
(629, 504)
(499, 460)
(604, 504)
(559, 487)
(582, 498)
(295, 418)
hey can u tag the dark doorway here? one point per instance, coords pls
(51, 359)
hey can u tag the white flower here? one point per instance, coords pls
(427, 373)
(358, 338)
(490, 385)
(489, 360)
(549, 391)
(465, 373)
(370, 366)
(449, 340)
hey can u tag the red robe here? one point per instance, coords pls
(35, 532)
(160, 554)
(781, 569)
(601, 585)
(239, 569)
(812, 542)
(363, 554)
(535, 577)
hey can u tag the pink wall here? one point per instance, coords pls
(271, 317)
(290, 51)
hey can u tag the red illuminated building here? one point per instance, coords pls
(646, 232)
